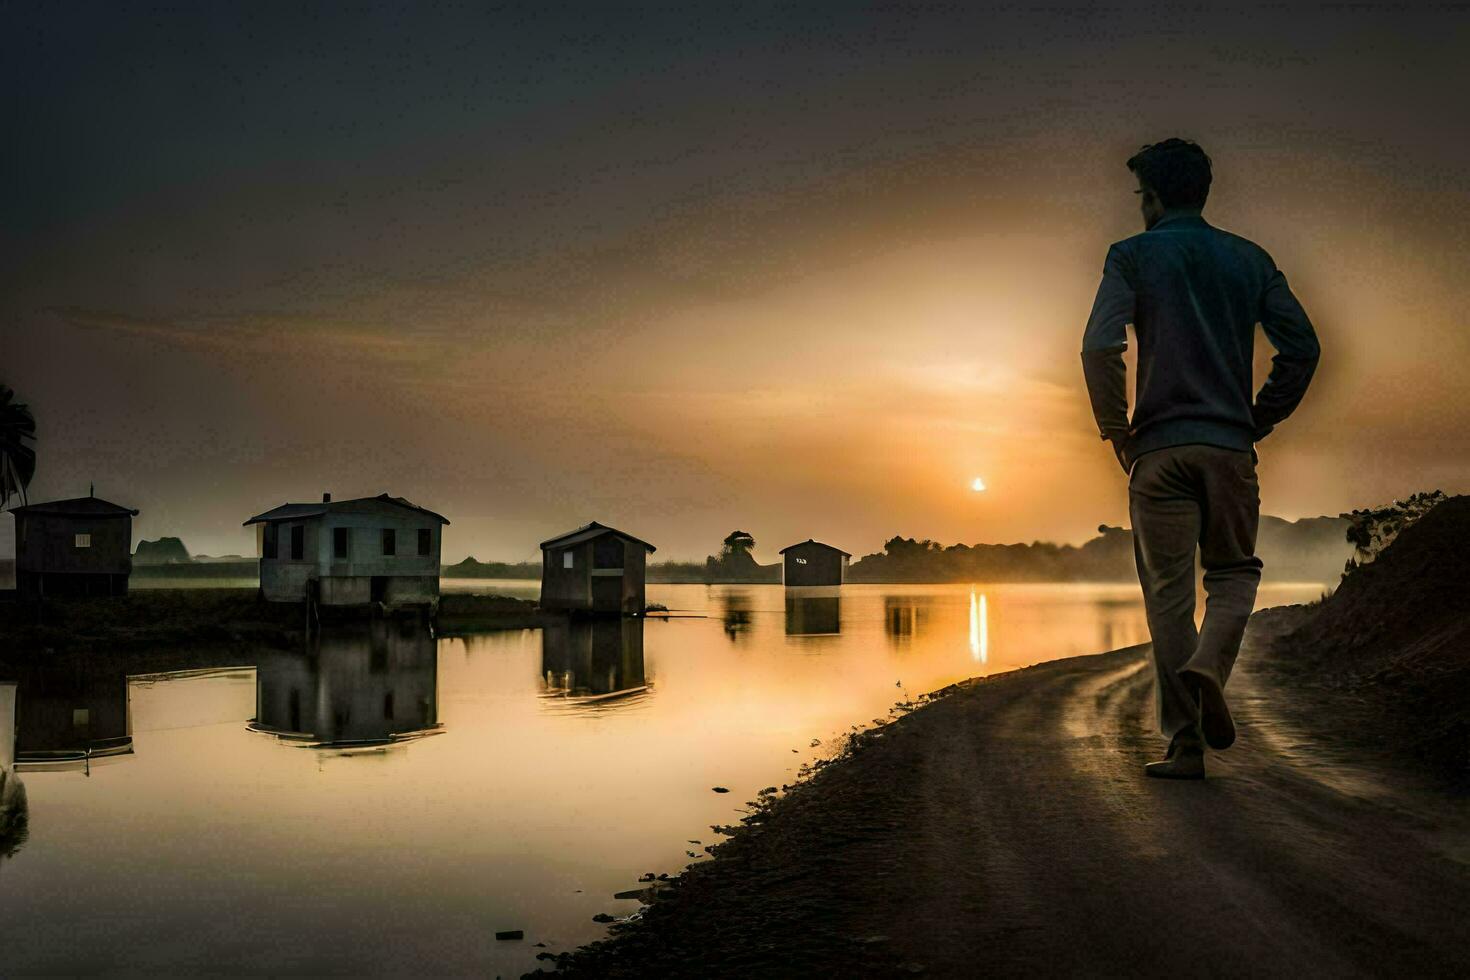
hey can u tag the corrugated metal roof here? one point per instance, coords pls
(290, 512)
(78, 507)
(817, 543)
(589, 531)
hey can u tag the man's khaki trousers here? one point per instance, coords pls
(1181, 499)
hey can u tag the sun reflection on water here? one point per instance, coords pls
(979, 628)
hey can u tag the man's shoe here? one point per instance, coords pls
(1185, 761)
(1215, 721)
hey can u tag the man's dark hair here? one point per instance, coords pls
(1178, 171)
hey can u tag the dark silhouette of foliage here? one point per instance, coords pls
(17, 447)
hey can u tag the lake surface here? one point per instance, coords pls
(385, 801)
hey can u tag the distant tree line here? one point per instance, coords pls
(1107, 557)
(1310, 550)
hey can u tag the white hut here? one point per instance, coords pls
(350, 552)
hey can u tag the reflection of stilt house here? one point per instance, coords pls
(78, 547)
(596, 569)
(593, 658)
(813, 563)
(67, 718)
(7, 726)
(360, 687)
(813, 612)
(350, 552)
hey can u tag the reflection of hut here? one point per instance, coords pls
(813, 563)
(350, 552)
(358, 687)
(75, 547)
(737, 613)
(14, 816)
(7, 725)
(68, 717)
(593, 658)
(902, 616)
(595, 568)
(817, 612)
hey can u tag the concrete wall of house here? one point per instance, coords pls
(283, 578)
(365, 544)
(409, 577)
(567, 588)
(47, 543)
(813, 564)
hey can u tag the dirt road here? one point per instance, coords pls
(1008, 827)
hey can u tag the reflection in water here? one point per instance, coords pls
(531, 815)
(735, 611)
(593, 660)
(1118, 624)
(979, 628)
(70, 719)
(904, 617)
(356, 687)
(814, 611)
(14, 813)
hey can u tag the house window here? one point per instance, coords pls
(390, 542)
(298, 542)
(567, 559)
(426, 540)
(339, 542)
(84, 540)
(269, 543)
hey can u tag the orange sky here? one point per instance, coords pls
(817, 310)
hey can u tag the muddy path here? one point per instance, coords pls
(1008, 827)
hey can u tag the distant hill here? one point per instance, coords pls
(164, 551)
(470, 568)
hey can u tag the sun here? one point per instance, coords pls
(978, 485)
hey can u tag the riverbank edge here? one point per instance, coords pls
(743, 862)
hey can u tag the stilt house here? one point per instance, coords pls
(594, 569)
(813, 563)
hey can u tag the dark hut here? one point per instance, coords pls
(813, 563)
(594, 569)
(80, 547)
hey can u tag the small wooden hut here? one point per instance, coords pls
(813, 563)
(594, 569)
(79, 547)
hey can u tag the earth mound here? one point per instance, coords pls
(1396, 635)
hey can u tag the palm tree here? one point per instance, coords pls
(17, 447)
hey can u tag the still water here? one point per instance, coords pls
(386, 801)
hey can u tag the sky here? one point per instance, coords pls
(805, 271)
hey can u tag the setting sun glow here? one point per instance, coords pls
(978, 485)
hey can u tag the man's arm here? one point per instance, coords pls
(1297, 352)
(1103, 344)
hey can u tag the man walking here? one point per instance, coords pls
(1194, 295)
